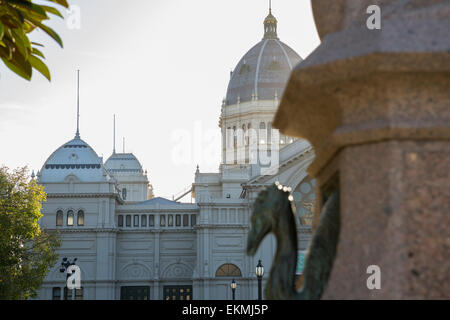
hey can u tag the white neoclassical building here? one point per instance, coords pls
(129, 245)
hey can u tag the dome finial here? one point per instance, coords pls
(114, 134)
(77, 134)
(270, 25)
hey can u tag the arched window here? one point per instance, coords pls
(269, 132)
(124, 193)
(59, 218)
(262, 133)
(244, 134)
(70, 218)
(80, 218)
(304, 199)
(228, 270)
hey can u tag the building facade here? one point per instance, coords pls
(130, 245)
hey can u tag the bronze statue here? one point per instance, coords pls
(273, 212)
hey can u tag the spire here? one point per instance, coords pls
(123, 144)
(270, 25)
(77, 134)
(114, 134)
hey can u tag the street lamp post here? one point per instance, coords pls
(233, 286)
(64, 265)
(259, 274)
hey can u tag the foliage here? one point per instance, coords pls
(17, 19)
(27, 252)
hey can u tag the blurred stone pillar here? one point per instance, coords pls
(375, 105)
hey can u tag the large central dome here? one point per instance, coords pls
(263, 71)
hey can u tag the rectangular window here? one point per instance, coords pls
(143, 220)
(170, 220)
(79, 294)
(120, 220)
(151, 220)
(134, 293)
(56, 293)
(185, 220)
(128, 222)
(178, 220)
(136, 220)
(162, 220)
(68, 294)
(177, 292)
(193, 219)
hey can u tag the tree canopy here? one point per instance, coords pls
(27, 252)
(17, 19)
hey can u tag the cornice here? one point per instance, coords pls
(222, 204)
(86, 195)
(82, 229)
(156, 210)
(223, 226)
(123, 230)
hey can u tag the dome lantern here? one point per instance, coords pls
(270, 26)
(263, 70)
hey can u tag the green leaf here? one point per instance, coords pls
(37, 52)
(19, 61)
(21, 42)
(63, 3)
(51, 33)
(40, 66)
(29, 7)
(11, 17)
(52, 10)
(18, 70)
(17, 19)
(37, 44)
(5, 52)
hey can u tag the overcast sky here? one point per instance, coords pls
(162, 66)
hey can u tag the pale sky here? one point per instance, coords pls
(162, 66)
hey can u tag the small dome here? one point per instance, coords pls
(75, 158)
(263, 71)
(123, 163)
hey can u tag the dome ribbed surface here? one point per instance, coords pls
(262, 72)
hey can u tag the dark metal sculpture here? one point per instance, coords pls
(273, 212)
